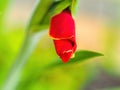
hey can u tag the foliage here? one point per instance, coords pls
(37, 67)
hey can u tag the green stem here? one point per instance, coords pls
(28, 47)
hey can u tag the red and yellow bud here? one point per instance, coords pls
(62, 31)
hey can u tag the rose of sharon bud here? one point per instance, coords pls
(62, 31)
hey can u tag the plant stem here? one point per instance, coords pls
(27, 49)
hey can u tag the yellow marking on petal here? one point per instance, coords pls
(54, 38)
(59, 38)
(73, 55)
(67, 51)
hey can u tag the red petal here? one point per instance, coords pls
(65, 48)
(62, 26)
(62, 29)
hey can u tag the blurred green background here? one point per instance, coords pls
(97, 29)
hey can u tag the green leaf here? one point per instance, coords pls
(75, 6)
(44, 11)
(40, 10)
(80, 56)
(36, 74)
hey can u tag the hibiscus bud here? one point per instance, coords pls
(62, 31)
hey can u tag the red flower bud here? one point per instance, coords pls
(62, 30)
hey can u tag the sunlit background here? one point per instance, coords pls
(97, 29)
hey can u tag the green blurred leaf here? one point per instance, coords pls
(3, 6)
(40, 10)
(41, 17)
(80, 56)
(73, 4)
(37, 73)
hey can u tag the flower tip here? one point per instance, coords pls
(66, 56)
(65, 60)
